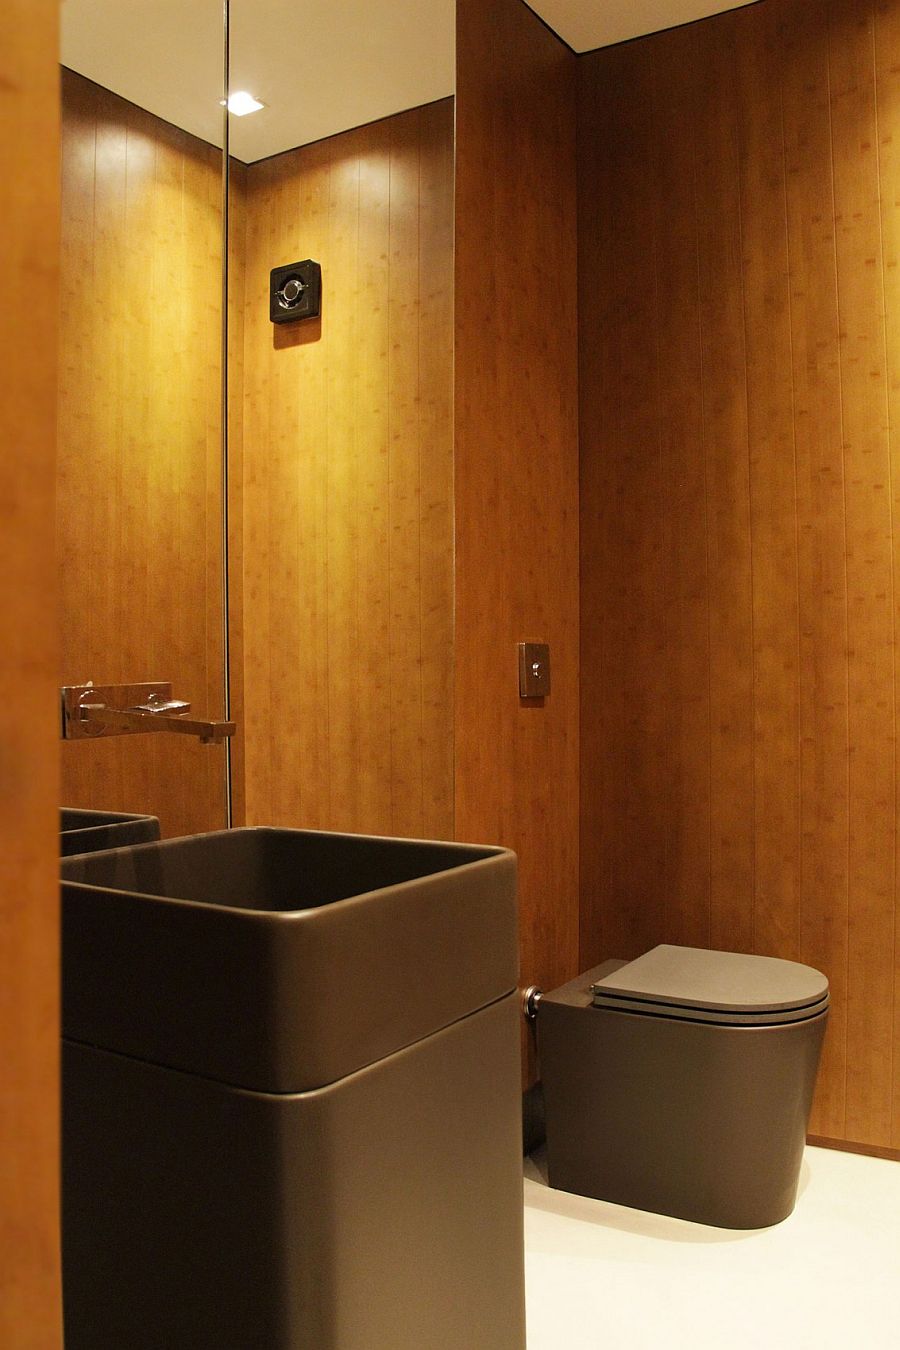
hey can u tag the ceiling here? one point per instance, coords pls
(586, 24)
(320, 66)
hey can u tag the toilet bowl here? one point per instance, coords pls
(681, 1082)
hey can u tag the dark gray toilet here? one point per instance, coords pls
(682, 1082)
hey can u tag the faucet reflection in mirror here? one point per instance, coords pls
(90, 710)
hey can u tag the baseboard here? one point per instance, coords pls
(847, 1146)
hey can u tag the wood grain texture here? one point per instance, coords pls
(887, 94)
(773, 506)
(30, 1306)
(347, 485)
(728, 504)
(681, 685)
(767, 338)
(237, 242)
(140, 462)
(625, 491)
(516, 470)
(822, 540)
(870, 628)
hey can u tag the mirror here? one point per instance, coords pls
(339, 461)
(341, 426)
(140, 443)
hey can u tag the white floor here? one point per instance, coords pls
(601, 1277)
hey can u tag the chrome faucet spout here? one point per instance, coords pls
(90, 710)
(109, 720)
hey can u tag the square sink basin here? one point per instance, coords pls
(282, 960)
(88, 831)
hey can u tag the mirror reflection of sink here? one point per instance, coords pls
(282, 959)
(89, 831)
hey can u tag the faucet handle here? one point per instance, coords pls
(90, 710)
(156, 703)
(81, 704)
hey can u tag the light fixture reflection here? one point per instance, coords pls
(241, 103)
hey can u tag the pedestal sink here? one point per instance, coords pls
(291, 1095)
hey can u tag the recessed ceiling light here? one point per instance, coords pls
(242, 103)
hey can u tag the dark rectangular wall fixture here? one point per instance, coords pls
(534, 669)
(295, 291)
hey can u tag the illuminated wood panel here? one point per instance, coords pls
(739, 181)
(140, 470)
(30, 1307)
(516, 483)
(347, 478)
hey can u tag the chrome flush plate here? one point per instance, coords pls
(534, 669)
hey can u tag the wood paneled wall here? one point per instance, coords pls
(237, 244)
(30, 1309)
(516, 483)
(740, 376)
(140, 465)
(347, 485)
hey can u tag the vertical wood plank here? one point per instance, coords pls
(887, 90)
(436, 155)
(404, 491)
(642, 764)
(600, 217)
(237, 278)
(284, 469)
(683, 592)
(343, 525)
(639, 700)
(872, 783)
(773, 507)
(516, 463)
(725, 433)
(30, 1307)
(257, 786)
(373, 414)
(822, 533)
(479, 157)
(314, 450)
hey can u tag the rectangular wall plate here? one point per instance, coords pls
(75, 696)
(534, 669)
(295, 291)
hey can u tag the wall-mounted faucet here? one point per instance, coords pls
(91, 710)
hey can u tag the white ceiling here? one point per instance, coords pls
(323, 66)
(164, 55)
(586, 24)
(320, 66)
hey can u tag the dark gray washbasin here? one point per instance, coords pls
(282, 960)
(88, 831)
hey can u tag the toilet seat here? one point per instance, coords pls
(727, 988)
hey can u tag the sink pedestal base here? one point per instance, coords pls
(382, 1211)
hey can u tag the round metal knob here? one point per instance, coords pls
(291, 293)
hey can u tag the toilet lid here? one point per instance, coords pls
(724, 987)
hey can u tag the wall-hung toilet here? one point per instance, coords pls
(681, 1082)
